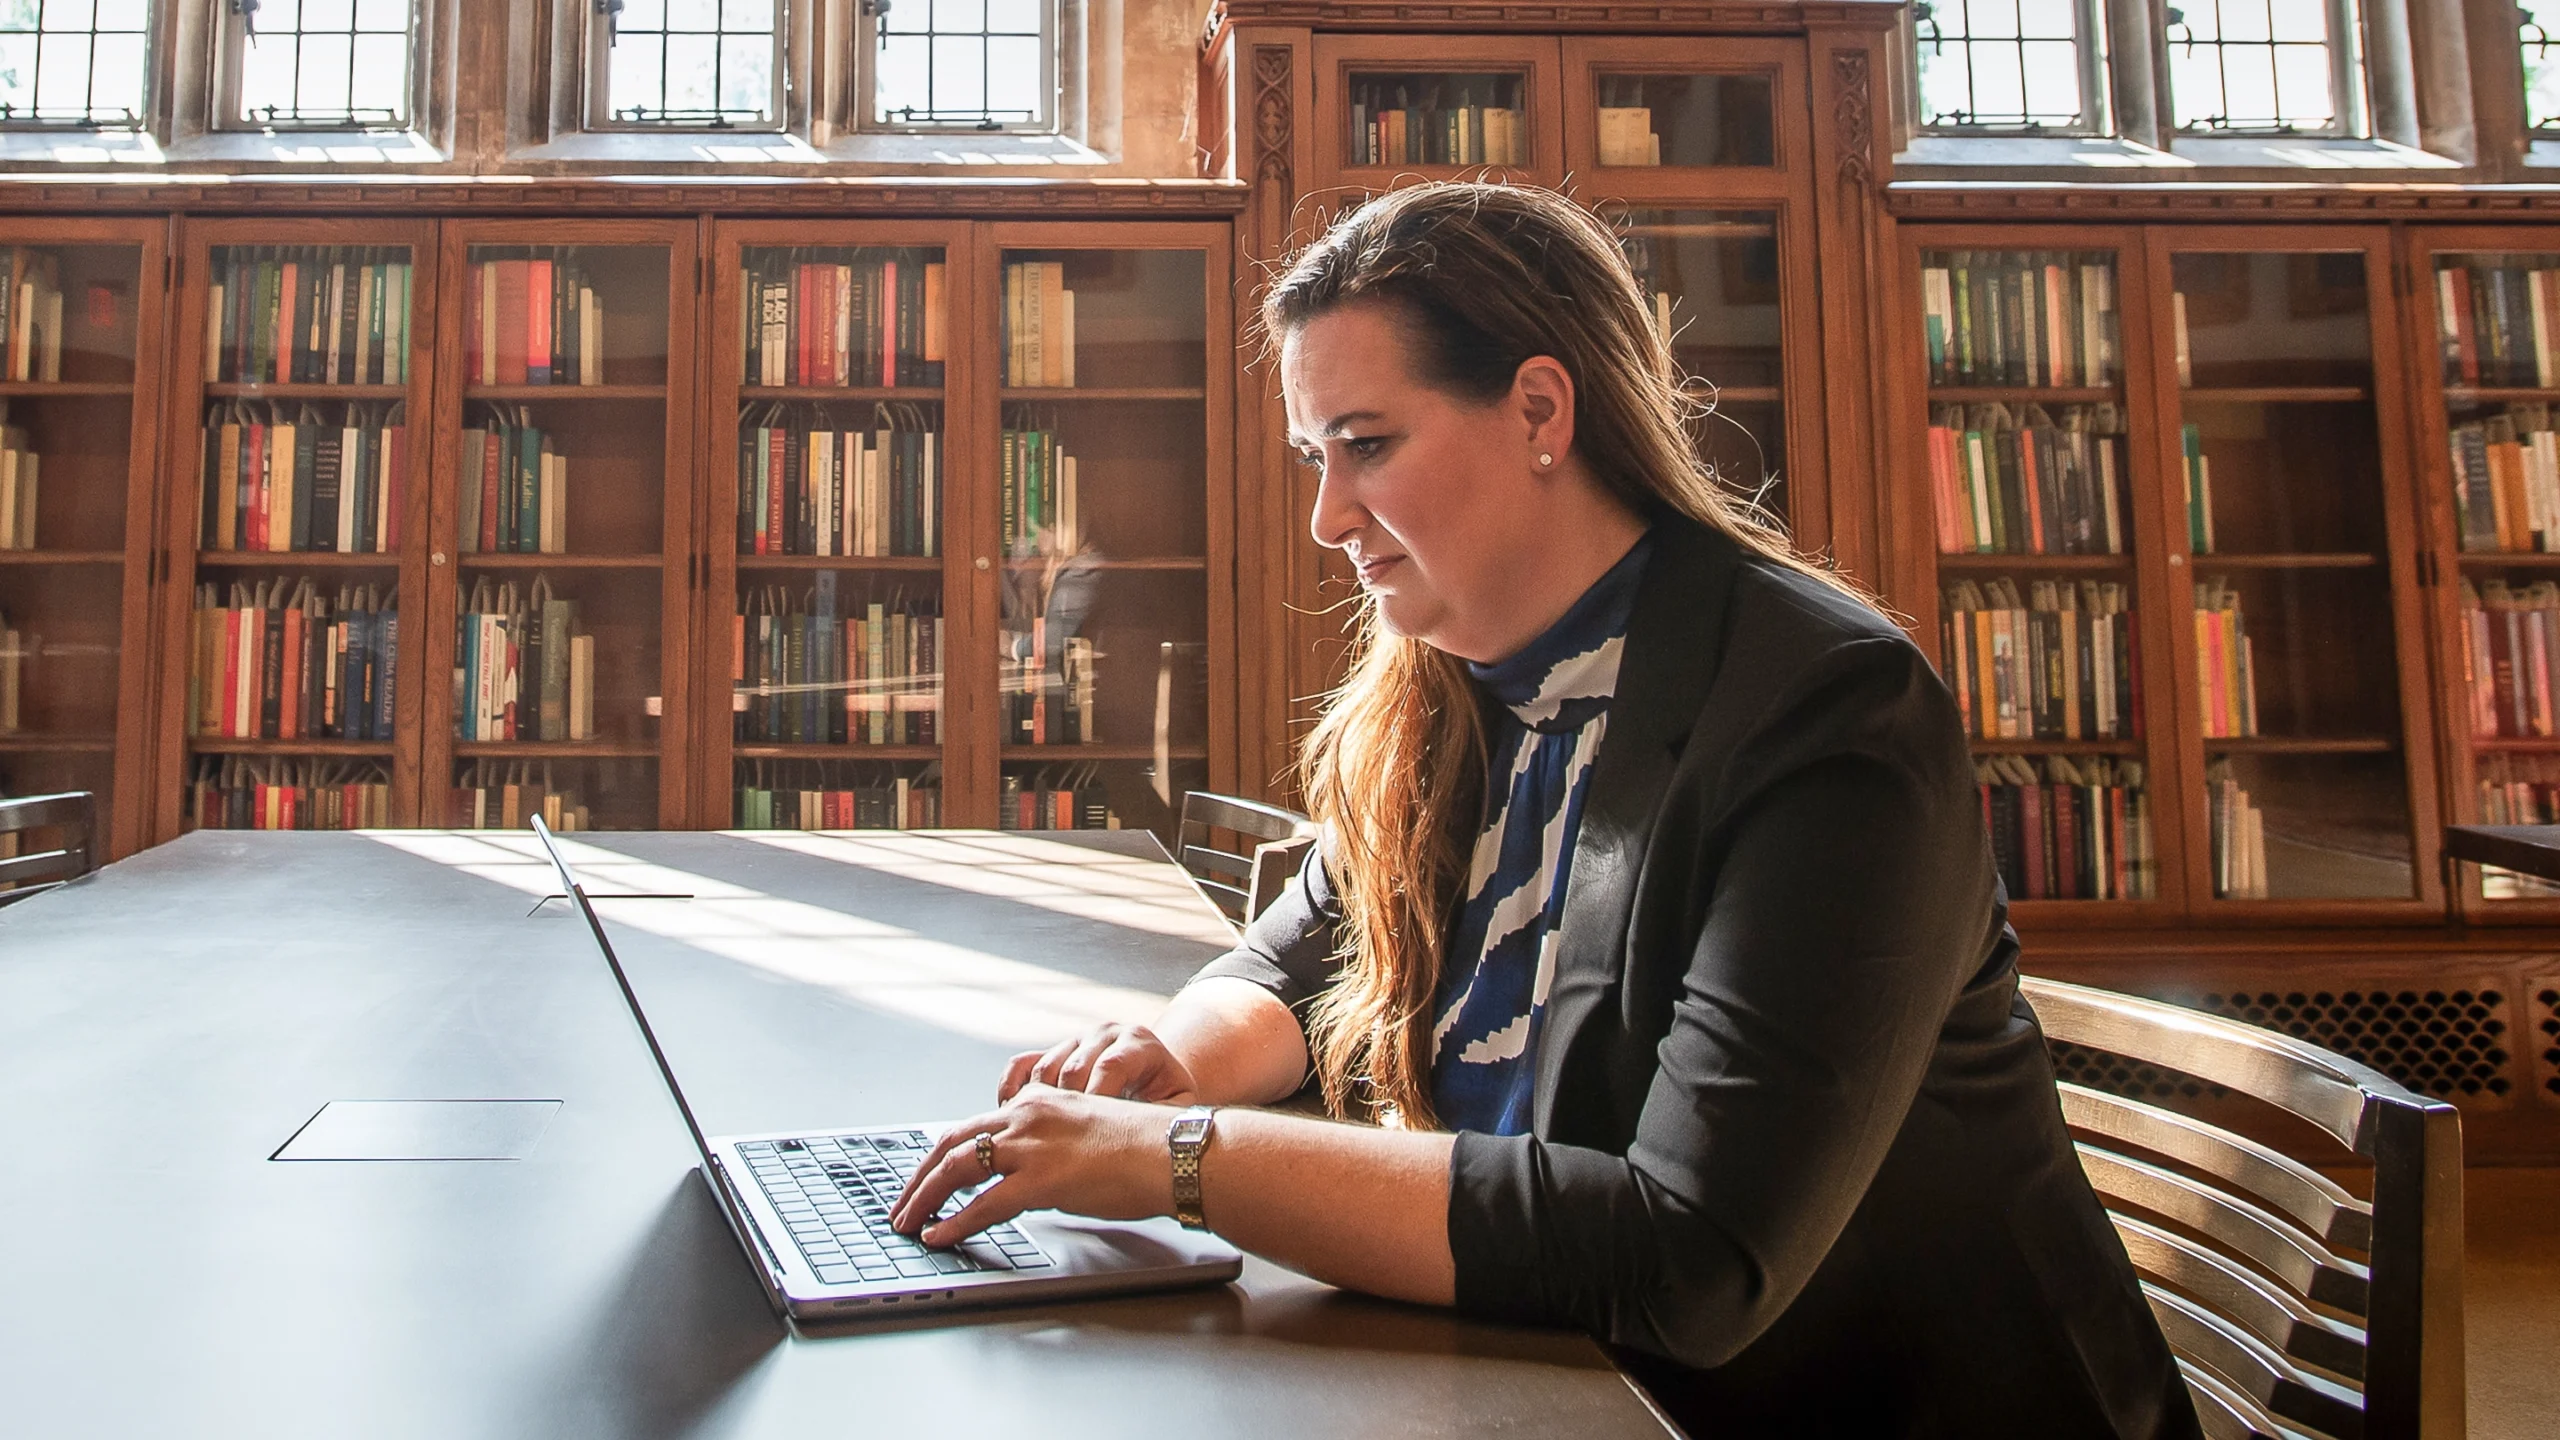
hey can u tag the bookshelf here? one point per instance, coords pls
(561, 551)
(78, 369)
(291, 668)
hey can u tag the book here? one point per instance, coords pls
(2020, 318)
(2015, 480)
(2057, 663)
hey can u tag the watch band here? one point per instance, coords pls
(1188, 1137)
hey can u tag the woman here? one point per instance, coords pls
(1654, 914)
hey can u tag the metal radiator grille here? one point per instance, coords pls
(2112, 1074)
(2544, 1040)
(2447, 1043)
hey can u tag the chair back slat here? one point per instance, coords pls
(2237, 1237)
(2285, 1185)
(2226, 1414)
(1217, 870)
(1275, 864)
(2267, 1310)
(2255, 1369)
(2266, 1240)
(2292, 1075)
(72, 818)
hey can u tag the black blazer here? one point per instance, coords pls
(1795, 1151)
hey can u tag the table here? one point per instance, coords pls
(167, 1024)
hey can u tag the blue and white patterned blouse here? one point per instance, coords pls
(1554, 698)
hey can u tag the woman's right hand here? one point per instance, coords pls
(1124, 1061)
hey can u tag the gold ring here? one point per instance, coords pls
(986, 1147)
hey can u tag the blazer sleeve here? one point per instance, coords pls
(1847, 892)
(1292, 948)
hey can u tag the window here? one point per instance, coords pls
(960, 64)
(316, 64)
(2284, 67)
(707, 64)
(2541, 75)
(73, 62)
(2015, 65)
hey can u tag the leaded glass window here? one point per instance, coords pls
(687, 63)
(73, 62)
(2284, 67)
(962, 64)
(2541, 73)
(2018, 65)
(329, 63)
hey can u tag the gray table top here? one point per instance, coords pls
(166, 1025)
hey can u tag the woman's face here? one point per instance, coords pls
(1436, 502)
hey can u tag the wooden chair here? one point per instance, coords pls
(72, 819)
(1241, 884)
(2250, 1259)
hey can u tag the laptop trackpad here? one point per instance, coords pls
(421, 1130)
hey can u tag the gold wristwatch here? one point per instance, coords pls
(1188, 1137)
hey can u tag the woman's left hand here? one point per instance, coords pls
(1054, 1149)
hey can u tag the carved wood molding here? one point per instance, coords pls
(1730, 16)
(1274, 119)
(1850, 115)
(1195, 199)
(1945, 201)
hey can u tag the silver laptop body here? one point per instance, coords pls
(811, 1212)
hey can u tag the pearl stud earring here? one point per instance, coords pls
(1546, 459)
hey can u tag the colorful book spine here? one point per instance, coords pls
(2019, 318)
(505, 795)
(240, 792)
(282, 659)
(843, 318)
(2010, 480)
(805, 675)
(2497, 319)
(2238, 831)
(308, 315)
(2226, 670)
(837, 795)
(532, 319)
(523, 668)
(1055, 797)
(315, 477)
(807, 485)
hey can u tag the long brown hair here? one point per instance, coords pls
(1480, 278)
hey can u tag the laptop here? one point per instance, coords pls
(811, 1210)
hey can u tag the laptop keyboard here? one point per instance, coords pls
(834, 1191)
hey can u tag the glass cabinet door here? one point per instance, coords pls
(303, 506)
(1650, 117)
(837, 623)
(67, 433)
(2033, 497)
(559, 536)
(2286, 527)
(1712, 280)
(1102, 641)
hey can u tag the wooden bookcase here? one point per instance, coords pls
(218, 365)
(623, 551)
(75, 585)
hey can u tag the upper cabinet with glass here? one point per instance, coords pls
(1403, 107)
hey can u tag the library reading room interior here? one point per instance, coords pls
(752, 434)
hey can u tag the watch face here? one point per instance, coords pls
(1189, 1129)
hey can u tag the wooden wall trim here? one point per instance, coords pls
(1953, 200)
(836, 199)
(1721, 16)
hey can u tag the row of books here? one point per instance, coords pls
(522, 669)
(843, 318)
(2012, 481)
(2498, 323)
(2226, 667)
(15, 650)
(2518, 790)
(2239, 836)
(809, 485)
(513, 485)
(282, 659)
(1055, 797)
(2196, 471)
(30, 314)
(1036, 494)
(265, 792)
(2510, 658)
(308, 477)
(506, 794)
(2057, 664)
(1626, 135)
(1046, 685)
(308, 315)
(2003, 317)
(837, 795)
(806, 675)
(2078, 828)
(2506, 480)
(1451, 120)
(1039, 325)
(532, 320)
(18, 472)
